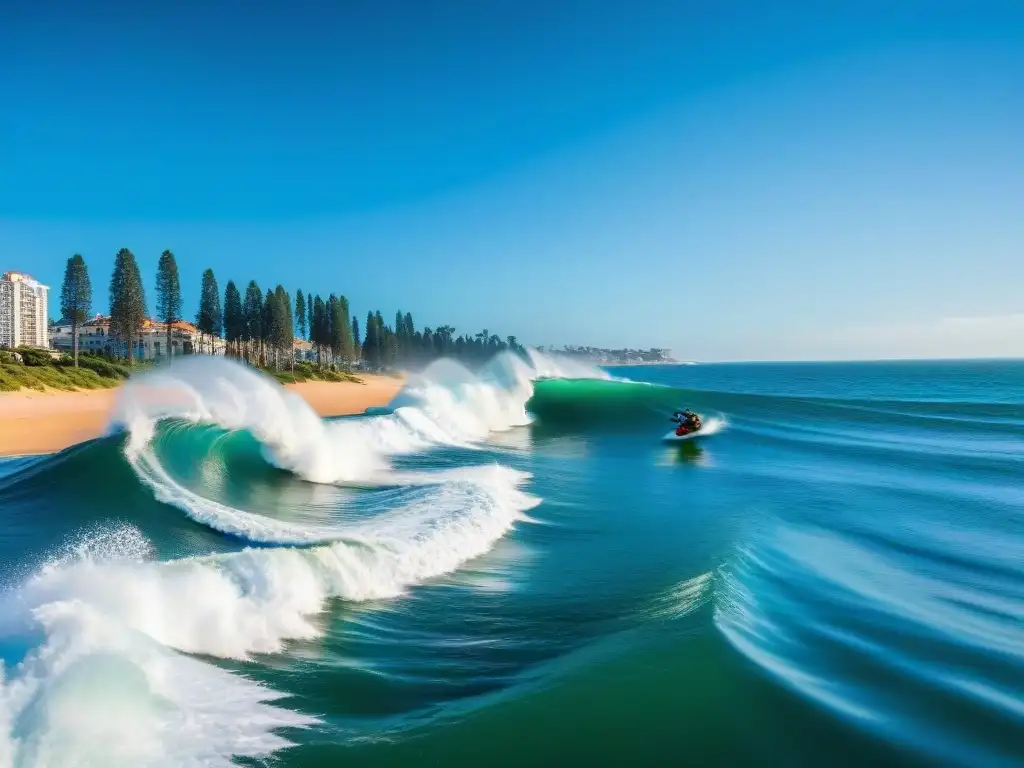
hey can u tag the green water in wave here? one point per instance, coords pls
(833, 579)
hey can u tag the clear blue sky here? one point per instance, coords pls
(731, 180)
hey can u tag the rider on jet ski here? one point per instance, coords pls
(687, 420)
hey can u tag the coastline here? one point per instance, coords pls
(34, 422)
(647, 364)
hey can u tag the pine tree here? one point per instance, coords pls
(341, 331)
(427, 346)
(333, 339)
(253, 312)
(168, 294)
(267, 326)
(289, 328)
(329, 306)
(400, 339)
(300, 313)
(76, 297)
(309, 314)
(408, 348)
(378, 337)
(127, 301)
(273, 330)
(444, 338)
(357, 346)
(318, 329)
(389, 347)
(341, 321)
(234, 317)
(283, 335)
(209, 319)
(370, 356)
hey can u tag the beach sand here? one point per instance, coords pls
(42, 422)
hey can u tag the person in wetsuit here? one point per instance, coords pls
(687, 420)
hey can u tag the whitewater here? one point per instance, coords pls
(105, 618)
(829, 575)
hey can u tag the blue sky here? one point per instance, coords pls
(805, 181)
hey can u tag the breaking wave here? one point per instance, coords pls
(107, 615)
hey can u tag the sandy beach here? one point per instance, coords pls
(42, 422)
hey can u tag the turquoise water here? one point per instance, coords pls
(833, 577)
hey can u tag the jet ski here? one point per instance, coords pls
(688, 426)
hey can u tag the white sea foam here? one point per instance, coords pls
(113, 625)
(103, 620)
(99, 685)
(96, 693)
(446, 404)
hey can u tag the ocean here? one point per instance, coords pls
(513, 568)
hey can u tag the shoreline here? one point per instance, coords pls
(33, 423)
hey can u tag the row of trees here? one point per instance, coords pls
(261, 327)
(127, 298)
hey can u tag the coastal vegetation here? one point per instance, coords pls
(268, 329)
(37, 369)
(168, 294)
(76, 297)
(294, 337)
(127, 301)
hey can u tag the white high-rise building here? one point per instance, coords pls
(23, 311)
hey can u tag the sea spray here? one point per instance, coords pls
(230, 395)
(117, 621)
(446, 404)
(108, 617)
(158, 707)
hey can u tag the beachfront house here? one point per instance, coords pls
(303, 350)
(94, 338)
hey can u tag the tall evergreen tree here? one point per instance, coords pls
(389, 347)
(127, 301)
(408, 348)
(309, 314)
(370, 357)
(76, 297)
(379, 337)
(357, 346)
(400, 338)
(253, 311)
(444, 339)
(267, 337)
(318, 330)
(300, 313)
(341, 331)
(289, 318)
(283, 328)
(168, 294)
(273, 312)
(342, 321)
(333, 338)
(234, 317)
(209, 319)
